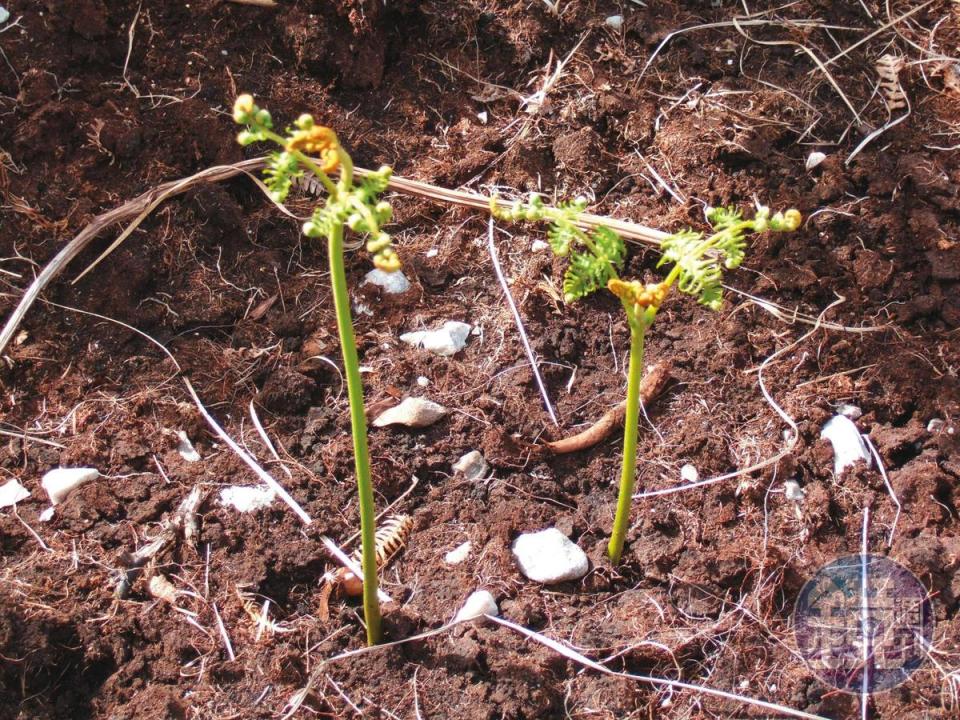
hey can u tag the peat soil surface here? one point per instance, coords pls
(100, 101)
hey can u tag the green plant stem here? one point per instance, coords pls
(358, 423)
(621, 521)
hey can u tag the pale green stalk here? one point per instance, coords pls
(358, 425)
(621, 521)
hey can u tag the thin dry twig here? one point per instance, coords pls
(296, 701)
(813, 56)
(248, 460)
(492, 248)
(865, 635)
(888, 67)
(183, 521)
(882, 28)
(31, 438)
(31, 531)
(890, 491)
(140, 208)
(223, 633)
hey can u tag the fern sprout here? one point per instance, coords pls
(597, 257)
(311, 149)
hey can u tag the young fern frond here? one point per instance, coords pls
(595, 258)
(376, 183)
(561, 236)
(695, 274)
(594, 267)
(282, 169)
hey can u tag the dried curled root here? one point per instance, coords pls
(642, 296)
(390, 538)
(316, 140)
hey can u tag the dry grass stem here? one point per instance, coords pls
(138, 209)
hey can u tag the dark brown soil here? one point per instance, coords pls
(710, 576)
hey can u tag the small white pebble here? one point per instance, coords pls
(12, 492)
(422, 381)
(814, 159)
(393, 283)
(539, 246)
(247, 498)
(5, 14)
(446, 341)
(224, 53)
(848, 445)
(549, 557)
(458, 554)
(483, 117)
(415, 412)
(688, 473)
(936, 425)
(473, 466)
(432, 252)
(186, 449)
(615, 21)
(850, 411)
(162, 589)
(59, 483)
(793, 491)
(477, 605)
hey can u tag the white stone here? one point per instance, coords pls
(12, 492)
(446, 341)
(4, 14)
(162, 589)
(539, 246)
(848, 446)
(477, 605)
(483, 117)
(549, 557)
(59, 483)
(688, 473)
(432, 253)
(936, 425)
(423, 381)
(850, 411)
(814, 159)
(472, 466)
(247, 498)
(793, 491)
(458, 554)
(186, 449)
(392, 283)
(615, 21)
(416, 412)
